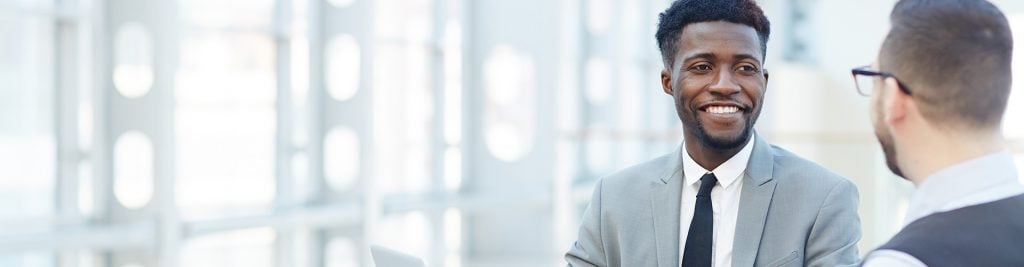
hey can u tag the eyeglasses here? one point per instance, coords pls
(863, 78)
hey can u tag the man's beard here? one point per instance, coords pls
(723, 143)
(885, 139)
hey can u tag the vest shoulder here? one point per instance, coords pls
(988, 234)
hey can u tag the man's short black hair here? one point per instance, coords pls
(955, 56)
(686, 12)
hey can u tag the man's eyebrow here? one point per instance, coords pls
(708, 56)
(747, 56)
(711, 56)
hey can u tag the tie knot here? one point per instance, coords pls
(707, 182)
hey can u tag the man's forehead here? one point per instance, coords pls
(719, 28)
(719, 38)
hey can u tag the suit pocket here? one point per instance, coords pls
(788, 260)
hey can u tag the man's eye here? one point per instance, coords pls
(747, 68)
(701, 67)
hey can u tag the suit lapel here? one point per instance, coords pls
(756, 197)
(666, 191)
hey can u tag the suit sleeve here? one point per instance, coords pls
(836, 230)
(588, 250)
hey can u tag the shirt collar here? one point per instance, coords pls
(963, 180)
(727, 173)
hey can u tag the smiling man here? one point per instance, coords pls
(725, 197)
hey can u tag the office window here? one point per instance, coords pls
(227, 14)
(598, 81)
(225, 92)
(26, 112)
(341, 3)
(409, 232)
(341, 157)
(452, 169)
(452, 219)
(1013, 129)
(509, 83)
(133, 169)
(404, 93)
(27, 137)
(250, 247)
(342, 68)
(598, 150)
(27, 259)
(1012, 126)
(133, 60)
(341, 252)
(86, 196)
(599, 16)
(302, 179)
(452, 109)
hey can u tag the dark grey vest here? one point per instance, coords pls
(988, 234)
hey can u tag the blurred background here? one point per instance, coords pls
(298, 132)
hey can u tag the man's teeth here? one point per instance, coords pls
(722, 109)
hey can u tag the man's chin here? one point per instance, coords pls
(720, 136)
(726, 141)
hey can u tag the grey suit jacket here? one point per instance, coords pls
(792, 213)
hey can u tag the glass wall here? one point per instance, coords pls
(301, 132)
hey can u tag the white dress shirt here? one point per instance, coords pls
(725, 202)
(977, 181)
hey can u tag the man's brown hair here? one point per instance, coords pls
(955, 57)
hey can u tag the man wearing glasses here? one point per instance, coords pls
(938, 91)
(725, 197)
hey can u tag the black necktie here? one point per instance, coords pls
(698, 242)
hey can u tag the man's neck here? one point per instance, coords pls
(927, 154)
(708, 157)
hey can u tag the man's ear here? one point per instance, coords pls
(895, 102)
(666, 81)
(765, 79)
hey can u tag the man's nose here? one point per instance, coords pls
(725, 84)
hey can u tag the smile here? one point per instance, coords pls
(721, 109)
